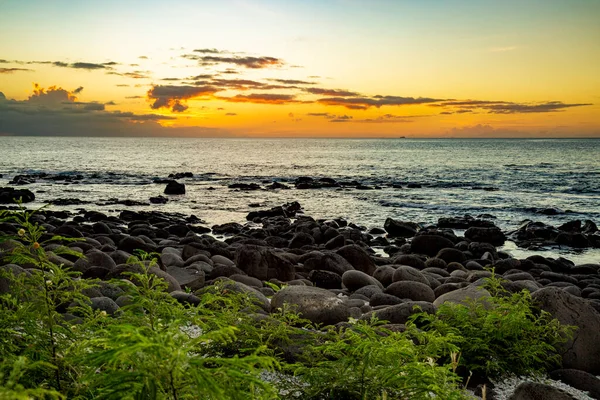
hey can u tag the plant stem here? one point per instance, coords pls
(51, 329)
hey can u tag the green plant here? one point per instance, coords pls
(12, 373)
(503, 334)
(367, 361)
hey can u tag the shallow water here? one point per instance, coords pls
(525, 174)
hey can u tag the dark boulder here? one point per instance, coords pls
(11, 195)
(583, 350)
(400, 229)
(429, 244)
(416, 291)
(492, 235)
(174, 187)
(539, 391)
(358, 258)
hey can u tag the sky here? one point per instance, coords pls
(305, 68)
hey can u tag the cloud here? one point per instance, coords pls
(143, 57)
(363, 103)
(386, 118)
(245, 61)
(507, 107)
(292, 82)
(85, 65)
(261, 98)
(166, 96)
(209, 51)
(331, 92)
(230, 114)
(57, 111)
(133, 75)
(122, 85)
(134, 97)
(13, 70)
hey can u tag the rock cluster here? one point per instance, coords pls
(328, 268)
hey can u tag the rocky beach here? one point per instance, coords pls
(332, 270)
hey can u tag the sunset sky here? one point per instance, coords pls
(283, 68)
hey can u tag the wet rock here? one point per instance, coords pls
(158, 200)
(174, 187)
(9, 195)
(492, 235)
(400, 229)
(244, 186)
(451, 255)
(263, 263)
(406, 273)
(328, 262)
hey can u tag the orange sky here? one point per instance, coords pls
(340, 68)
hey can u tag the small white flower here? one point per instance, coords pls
(103, 313)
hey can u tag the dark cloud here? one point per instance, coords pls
(170, 79)
(363, 103)
(209, 51)
(388, 118)
(201, 76)
(133, 75)
(85, 65)
(292, 82)
(515, 108)
(230, 71)
(13, 70)
(331, 92)
(230, 114)
(245, 61)
(78, 90)
(261, 98)
(134, 97)
(341, 118)
(143, 58)
(2, 61)
(507, 107)
(122, 85)
(165, 96)
(57, 111)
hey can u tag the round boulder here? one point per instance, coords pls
(318, 305)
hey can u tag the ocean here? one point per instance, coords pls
(417, 180)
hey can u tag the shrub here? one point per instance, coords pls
(505, 334)
(367, 361)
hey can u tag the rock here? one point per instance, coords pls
(380, 299)
(263, 263)
(318, 305)
(334, 243)
(406, 273)
(325, 279)
(94, 258)
(411, 260)
(104, 304)
(354, 280)
(130, 244)
(384, 274)
(186, 298)
(416, 291)
(244, 186)
(174, 187)
(9, 195)
(400, 229)
(581, 380)
(583, 351)
(158, 200)
(463, 296)
(429, 244)
(451, 255)
(187, 278)
(225, 284)
(328, 262)
(491, 235)
(232, 228)
(301, 239)
(399, 314)
(358, 258)
(538, 391)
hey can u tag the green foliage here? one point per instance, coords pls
(54, 346)
(502, 335)
(367, 361)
